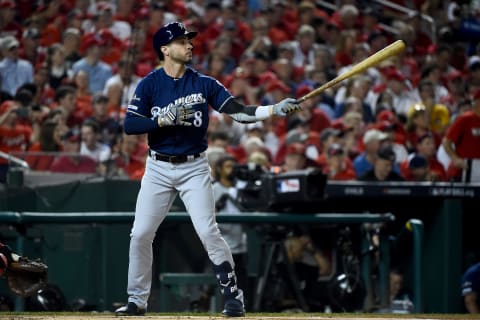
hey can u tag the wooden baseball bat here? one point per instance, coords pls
(387, 52)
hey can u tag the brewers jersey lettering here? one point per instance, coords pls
(157, 90)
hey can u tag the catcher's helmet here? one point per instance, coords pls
(168, 33)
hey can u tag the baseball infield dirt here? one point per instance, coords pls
(91, 316)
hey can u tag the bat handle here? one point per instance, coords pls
(300, 100)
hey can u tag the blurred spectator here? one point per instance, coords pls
(281, 28)
(426, 149)
(304, 46)
(437, 114)
(120, 87)
(473, 75)
(261, 42)
(417, 169)
(44, 151)
(328, 137)
(400, 298)
(345, 46)
(421, 41)
(471, 289)
(258, 129)
(11, 64)
(443, 57)
(352, 133)
(399, 148)
(371, 143)
(124, 163)
(432, 73)
(218, 138)
(225, 123)
(91, 146)
(336, 167)
(71, 40)
(112, 48)
(31, 48)
(310, 116)
(370, 18)
(417, 126)
(275, 90)
(108, 128)
(8, 25)
(457, 91)
(104, 18)
(222, 50)
(295, 158)
(83, 95)
(98, 71)
(247, 147)
(352, 97)
(65, 101)
(462, 139)
(52, 21)
(382, 167)
(396, 85)
(14, 137)
(43, 95)
(312, 264)
(72, 161)
(56, 66)
(286, 72)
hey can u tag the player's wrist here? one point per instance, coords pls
(263, 112)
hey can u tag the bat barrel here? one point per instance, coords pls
(381, 55)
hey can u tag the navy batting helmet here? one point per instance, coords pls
(168, 33)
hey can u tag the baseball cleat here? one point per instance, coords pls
(130, 309)
(234, 308)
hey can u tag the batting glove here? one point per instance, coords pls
(166, 117)
(286, 106)
(184, 113)
(175, 116)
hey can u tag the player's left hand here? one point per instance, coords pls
(286, 106)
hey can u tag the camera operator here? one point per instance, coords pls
(225, 193)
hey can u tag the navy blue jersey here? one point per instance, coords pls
(158, 90)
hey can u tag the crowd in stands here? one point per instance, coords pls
(69, 68)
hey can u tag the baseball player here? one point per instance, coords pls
(171, 104)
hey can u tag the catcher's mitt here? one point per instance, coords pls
(25, 277)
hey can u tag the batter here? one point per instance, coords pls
(171, 105)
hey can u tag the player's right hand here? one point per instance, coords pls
(166, 117)
(285, 107)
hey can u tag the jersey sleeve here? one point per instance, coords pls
(218, 95)
(138, 119)
(140, 103)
